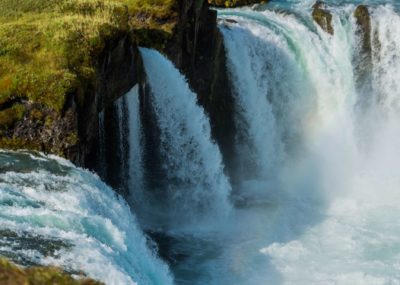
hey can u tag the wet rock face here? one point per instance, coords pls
(197, 50)
(118, 69)
(363, 59)
(235, 3)
(363, 21)
(322, 17)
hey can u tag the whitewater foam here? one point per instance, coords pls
(196, 186)
(74, 220)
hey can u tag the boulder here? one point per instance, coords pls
(363, 20)
(322, 17)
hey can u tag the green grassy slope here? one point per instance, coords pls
(48, 47)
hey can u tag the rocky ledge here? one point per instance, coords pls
(64, 62)
(11, 274)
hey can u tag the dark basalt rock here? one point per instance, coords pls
(231, 21)
(322, 17)
(119, 69)
(197, 50)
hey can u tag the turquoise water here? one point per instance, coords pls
(308, 3)
(316, 200)
(52, 213)
(332, 218)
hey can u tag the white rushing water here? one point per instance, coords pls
(54, 213)
(333, 216)
(195, 186)
(319, 182)
(135, 142)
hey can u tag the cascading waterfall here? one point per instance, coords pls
(386, 60)
(135, 143)
(317, 140)
(302, 76)
(54, 213)
(338, 200)
(195, 185)
(258, 134)
(130, 141)
(264, 92)
(276, 50)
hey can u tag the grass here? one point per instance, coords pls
(153, 14)
(48, 48)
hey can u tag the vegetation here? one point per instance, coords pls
(49, 50)
(11, 274)
(48, 47)
(12, 114)
(153, 14)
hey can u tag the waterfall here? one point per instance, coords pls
(52, 213)
(386, 59)
(258, 134)
(122, 113)
(135, 142)
(316, 177)
(331, 144)
(291, 80)
(122, 166)
(268, 84)
(136, 168)
(194, 185)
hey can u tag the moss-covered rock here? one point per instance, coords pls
(48, 56)
(322, 17)
(11, 115)
(63, 62)
(235, 3)
(11, 274)
(37, 127)
(48, 48)
(60, 63)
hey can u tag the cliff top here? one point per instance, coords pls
(47, 47)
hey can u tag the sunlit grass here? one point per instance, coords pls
(48, 48)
